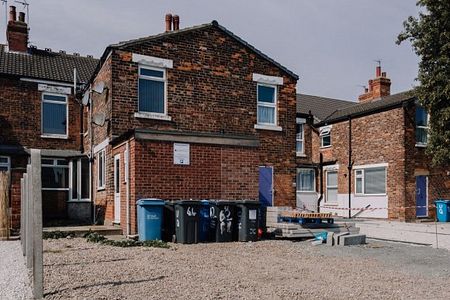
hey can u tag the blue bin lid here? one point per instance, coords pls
(442, 201)
(204, 202)
(150, 201)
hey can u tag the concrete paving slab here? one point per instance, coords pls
(352, 239)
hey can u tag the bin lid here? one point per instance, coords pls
(442, 201)
(187, 202)
(253, 202)
(150, 201)
(223, 202)
(204, 202)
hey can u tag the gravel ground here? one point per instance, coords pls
(14, 281)
(263, 270)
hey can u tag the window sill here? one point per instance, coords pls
(306, 192)
(54, 136)
(152, 116)
(325, 147)
(101, 189)
(331, 204)
(421, 145)
(300, 154)
(370, 195)
(79, 201)
(268, 127)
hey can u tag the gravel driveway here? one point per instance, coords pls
(262, 270)
(14, 282)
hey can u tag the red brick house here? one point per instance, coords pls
(39, 110)
(194, 113)
(376, 150)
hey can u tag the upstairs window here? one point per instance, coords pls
(54, 115)
(325, 137)
(300, 146)
(5, 163)
(421, 126)
(267, 104)
(152, 90)
(370, 181)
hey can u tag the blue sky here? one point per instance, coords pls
(330, 44)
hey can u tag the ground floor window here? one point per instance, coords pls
(305, 180)
(55, 174)
(370, 181)
(79, 181)
(331, 186)
(5, 163)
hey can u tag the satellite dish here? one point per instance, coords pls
(85, 100)
(99, 87)
(99, 119)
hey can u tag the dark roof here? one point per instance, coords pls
(320, 107)
(47, 65)
(376, 105)
(124, 44)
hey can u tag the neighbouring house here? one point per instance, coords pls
(371, 154)
(39, 110)
(310, 111)
(193, 113)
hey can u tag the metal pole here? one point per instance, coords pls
(349, 167)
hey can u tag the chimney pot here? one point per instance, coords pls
(176, 22)
(22, 17)
(383, 74)
(378, 72)
(168, 22)
(12, 13)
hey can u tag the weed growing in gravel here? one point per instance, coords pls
(57, 234)
(94, 237)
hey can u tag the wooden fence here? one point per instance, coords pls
(31, 221)
(4, 206)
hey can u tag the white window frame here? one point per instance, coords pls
(103, 171)
(314, 181)
(327, 186)
(362, 177)
(427, 128)
(66, 103)
(266, 104)
(148, 114)
(325, 131)
(125, 165)
(79, 181)
(300, 140)
(55, 164)
(7, 164)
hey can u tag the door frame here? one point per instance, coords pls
(426, 197)
(272, 183)
(117, 187)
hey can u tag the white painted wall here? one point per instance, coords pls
(307, 200)
(359, 202)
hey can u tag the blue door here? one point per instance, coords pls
(421, 196)
(266, 186)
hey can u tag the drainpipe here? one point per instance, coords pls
(127, 174)
(91, 158)
(320, 182)
(349, 167)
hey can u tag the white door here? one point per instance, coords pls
(117, 188)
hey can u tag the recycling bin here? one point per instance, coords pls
(442, 210)
(204, 222)
(222, 222)
(168, 230)
(150, 216)
(186, 221)
(247, 220)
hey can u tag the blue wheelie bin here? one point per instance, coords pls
(150, 217)
(204, 222)
(442, 210)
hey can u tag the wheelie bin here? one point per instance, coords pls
(186, 221)
(248, 220)
(222, 222)
(150, 216)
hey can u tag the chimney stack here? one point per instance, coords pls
(379, 87)
(176, 22)
(17, 31)
(168, 22)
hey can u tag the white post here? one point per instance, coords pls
(29, 217)
(36, 199)
(22, 215)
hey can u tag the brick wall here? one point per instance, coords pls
(20, 117)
